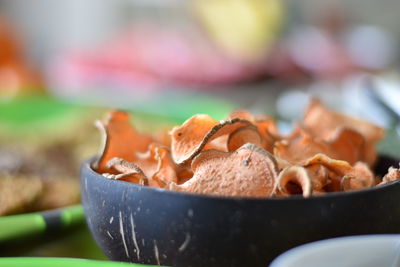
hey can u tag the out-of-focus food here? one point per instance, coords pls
(243, 29)
(17, 193)
(40, 155)
(245, 155)
(16, 76)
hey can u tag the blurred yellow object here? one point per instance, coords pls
(243, 28)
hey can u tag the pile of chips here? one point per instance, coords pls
(246, 155)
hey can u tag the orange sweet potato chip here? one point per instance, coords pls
(322, 123)
(360, 177)
(319, 177)
(156, 163)
(249, 171)
(348, 145)
(294, 180)
(241, 136)
(392, 175)
(301, 146)
(166, 171)
(266, 127)
(128, 171)
(189, 139)
(339, 167)
(120, 140)
(329, 152)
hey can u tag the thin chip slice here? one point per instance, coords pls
(166, 169)
(360, 177)
(301, 146)
(120, 140)
(241, 136)
(392, 175)
(241, 114)
(128, 172)
(189, 139)
(349, 145)
(339, 167)
(266, 127)
(282, 163)
(248, 172)
(294, 180)
(322, 122)
(266, 122)
(184, 175)
(149, 161)
(219, 143)
(319, 177)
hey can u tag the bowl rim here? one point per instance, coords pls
(331, 195)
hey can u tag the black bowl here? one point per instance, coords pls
(155, 226)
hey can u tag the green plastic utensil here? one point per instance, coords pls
(18, 226)
(62, 262)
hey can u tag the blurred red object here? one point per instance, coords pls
(15, 75)
(152, 58)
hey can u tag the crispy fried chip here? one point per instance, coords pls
(392, 175)
(266, 127)
(241, 136)
(319, 177)
(300, 146)
(189, 139)
(360, 177)
(149, 161)
(128, 171)
(120, 140)
(250, 171)
(219, 143)
(322, 123)
(166, 168)
(294, 180)
(329, 152)
(339, 167)
(349, 145)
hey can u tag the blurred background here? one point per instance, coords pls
(64, 63)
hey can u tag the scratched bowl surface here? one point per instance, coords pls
(161, 227)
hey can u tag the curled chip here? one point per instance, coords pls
(319, 177)
(190, 138)
(166, 171)
(294, 180)
(128, 171)
(266, 127)
(299, 146)
(322, 123)
(250, 171)
(392, 175)
(328, 152)
(241, 136)
(360, 177)
(120, 140)
(147, 161)
(339, 167)
(349, 145)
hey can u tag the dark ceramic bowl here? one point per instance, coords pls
(154, 226)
